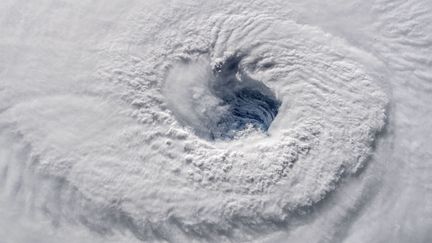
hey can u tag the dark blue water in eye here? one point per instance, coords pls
(248, 106)
(249, 102)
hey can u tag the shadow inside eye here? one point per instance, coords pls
(268, 65)
(249, 102)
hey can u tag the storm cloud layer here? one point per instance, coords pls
(262, 121)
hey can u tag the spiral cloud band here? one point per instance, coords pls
(212, 122)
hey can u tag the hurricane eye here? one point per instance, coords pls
(249, 102)
(220, 102)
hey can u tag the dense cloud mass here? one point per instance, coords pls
(199, 121)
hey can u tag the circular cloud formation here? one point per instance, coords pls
(228, 76)
(242, 120)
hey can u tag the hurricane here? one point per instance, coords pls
(199, 121)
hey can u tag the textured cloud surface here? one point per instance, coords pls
(266, 121)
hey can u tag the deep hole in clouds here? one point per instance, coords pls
(240, 102)
(220, 102)
(249, 101)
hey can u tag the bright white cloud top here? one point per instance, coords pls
(266, 121)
